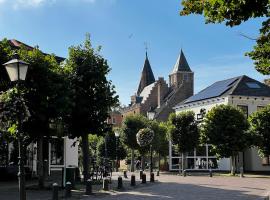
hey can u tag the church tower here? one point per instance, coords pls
(182, 76)
(147, 76)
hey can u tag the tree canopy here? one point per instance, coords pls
(233, 13)
(225, 127)
(184, 132)
(260, 127)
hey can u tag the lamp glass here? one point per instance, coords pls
(12, 68)
(116, 133)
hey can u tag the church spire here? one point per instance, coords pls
(147, 76)
(181, 64)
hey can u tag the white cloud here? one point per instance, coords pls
(2, 1)
(28, 3)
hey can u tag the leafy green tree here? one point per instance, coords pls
(131, 126)
(184, 133)
(260, 127)
(46, 97)
(92, 95)
(160, 142)
(234, 13)
(109, 142)
(226, 128)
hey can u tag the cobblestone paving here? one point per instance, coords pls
(168, 187)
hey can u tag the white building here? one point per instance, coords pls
(242, 92)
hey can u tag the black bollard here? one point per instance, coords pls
(143, 178)
(88, 190)
(55, 191)
(152, 177)
(157, 173)
(210, 173)
(133, 180)
(120, 183)
(184, 173)
(68, 190)
(141, 172)
(125, 174)
(105, 184)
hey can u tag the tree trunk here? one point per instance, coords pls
(86, 155)
(183, 166)
(233, 165)
(143, 163)
(40, 164)
(159, 161)
(132, 161)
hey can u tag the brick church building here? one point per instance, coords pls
(158, 96)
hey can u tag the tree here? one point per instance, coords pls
(234, 13)
(225, 128)
(92, 95)
(110, 139)
(131, 126)
(260, 127)
(160, 142)
(184, 133)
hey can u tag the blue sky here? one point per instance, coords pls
(214, 52)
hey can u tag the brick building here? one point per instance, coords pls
(157, 95)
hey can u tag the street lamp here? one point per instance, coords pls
(117, 134)
(17, 70)
(151, 116)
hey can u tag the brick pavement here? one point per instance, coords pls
(171, 187)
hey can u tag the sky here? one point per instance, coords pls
(122, 27)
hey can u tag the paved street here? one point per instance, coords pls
(172, 187)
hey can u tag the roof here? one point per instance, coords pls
(17, 44)
(147, 76)
(181, 64)
(241, 85)
(146, 91)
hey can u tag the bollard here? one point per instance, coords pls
(157, 173)
(141, 173)
(105, 184)
(143, 178)
(184, 173)
(152, 177)
(133, 180)
(125, 174)
(55, 191)
(88, 190)
(210, 173)
(120, 183)
(241, 172)
(68, 190)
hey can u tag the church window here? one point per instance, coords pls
(185, 77)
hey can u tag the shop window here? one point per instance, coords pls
(57, 151)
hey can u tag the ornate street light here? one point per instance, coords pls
(17, 70)
(117, 134)
(151, 116)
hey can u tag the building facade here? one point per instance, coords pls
(243, 92)
(157, 95)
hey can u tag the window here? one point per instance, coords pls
(113, 121)
(244, 109)
(185, 77)
(253, 85)
(57, 151)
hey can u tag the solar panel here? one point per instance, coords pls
(214, 90)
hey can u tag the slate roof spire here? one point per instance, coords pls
(147, 76)
(181, 64)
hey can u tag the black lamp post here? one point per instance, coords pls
(116, 133)
(151, 115)
(17, 70)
